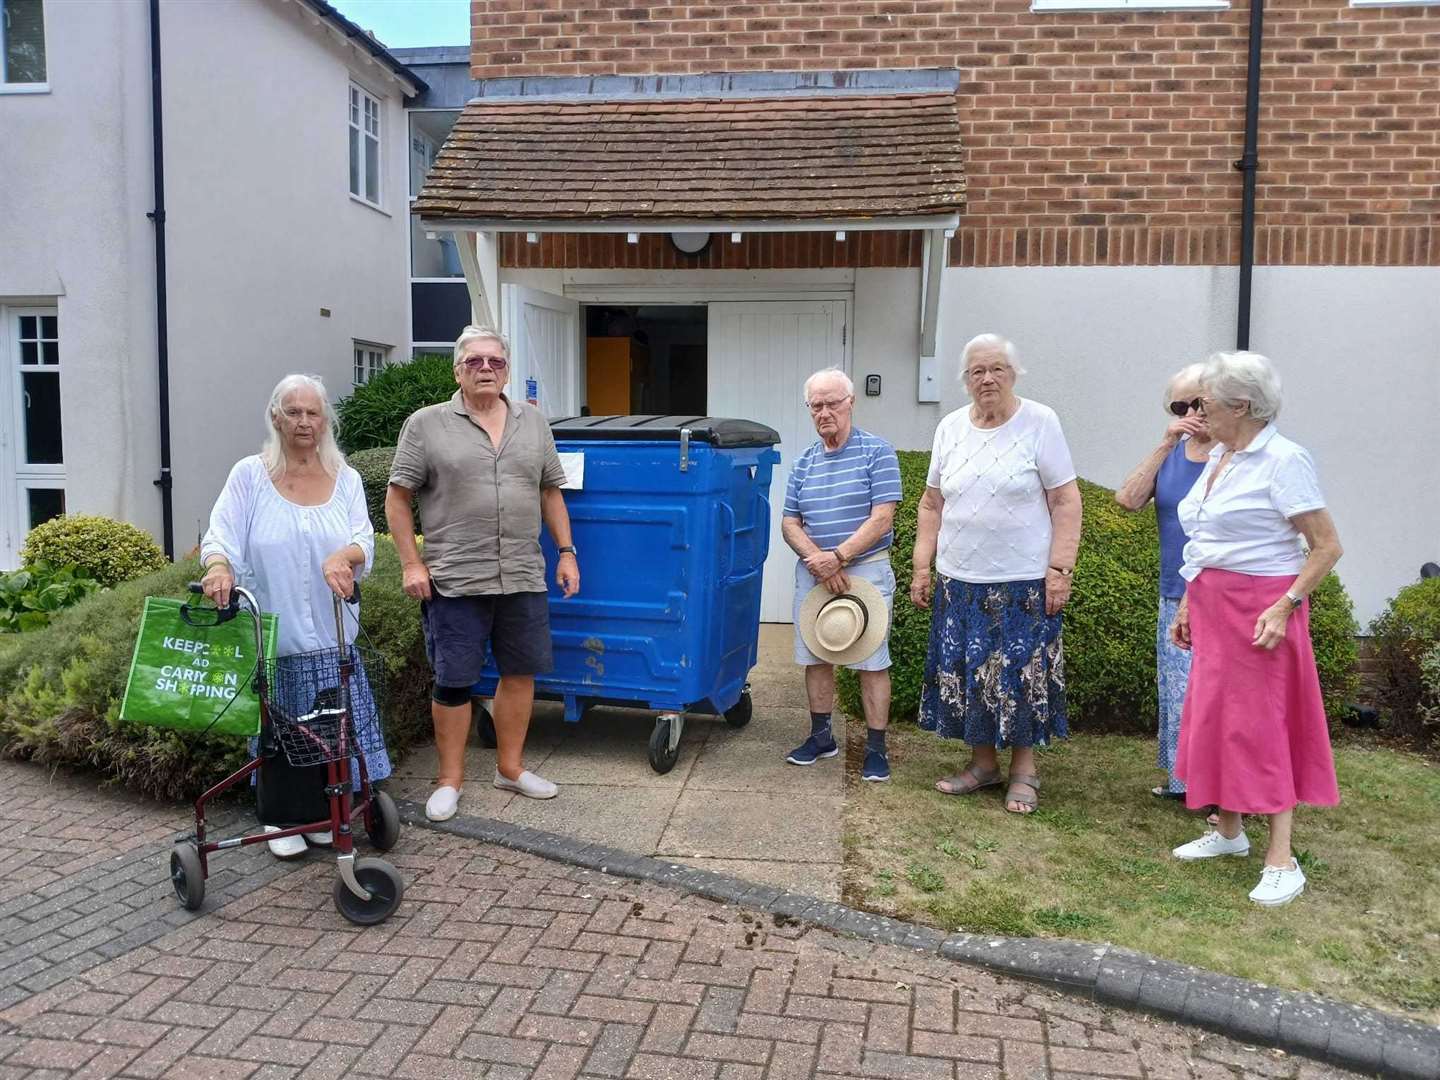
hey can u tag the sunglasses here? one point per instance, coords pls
(477, 363)
(1180, 408)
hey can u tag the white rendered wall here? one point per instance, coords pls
(1358, 348)
(75, 184)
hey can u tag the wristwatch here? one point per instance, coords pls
(844, 562)
(1295, 601)
(1062, 571)
(568, 549)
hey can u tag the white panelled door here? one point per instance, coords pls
(759, 356)
(544, 333)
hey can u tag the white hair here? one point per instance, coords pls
(1190, 373)
(480, 333)
(990, 341)
(272, 451)
(828, 373)
(1236, 378)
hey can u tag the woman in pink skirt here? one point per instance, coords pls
(1253, 735)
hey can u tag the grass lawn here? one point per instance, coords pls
(1094, 863)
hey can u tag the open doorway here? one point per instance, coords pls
(646, 359)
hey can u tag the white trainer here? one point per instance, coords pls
(1279, 885)
(287, 847)
(443, 803)
(527, 784)
(325, 838)
(1212, 844)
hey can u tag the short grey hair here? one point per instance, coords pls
(1236, 378)
(272, 451)
(828, 373)
(1190, 373)
(480, 333)
(990, 341)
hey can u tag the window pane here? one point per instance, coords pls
(372, 170)
(50, 352)
(24, 41)
(29, 352)
(27, 326)
(354, 162)
(439, 310)
(49, 326)
(41, 393)
(45, 503)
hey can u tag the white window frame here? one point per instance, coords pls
(33, 87)
(1053, 7)
(358, 120)
(18, 477)
(370, 359)
(1393, 3)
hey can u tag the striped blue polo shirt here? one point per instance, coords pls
(832, 493)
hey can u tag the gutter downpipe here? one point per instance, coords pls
(1249, 164)
(165, 482)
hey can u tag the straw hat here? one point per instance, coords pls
(844, 629)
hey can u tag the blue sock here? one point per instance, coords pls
(820, 726)
(875, 739)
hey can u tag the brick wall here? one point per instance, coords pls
(1090, 138)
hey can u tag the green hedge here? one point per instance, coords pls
(373, 415)
(61, 686)
(1109, 622)
(374, 469)
(109, 551)
(1406, 637)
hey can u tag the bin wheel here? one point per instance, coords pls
(187, 876)
(383, 822)
(662, 758)
(738, 715)
(386, 888)
(485, 726)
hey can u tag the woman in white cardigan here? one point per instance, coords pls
(292, 526)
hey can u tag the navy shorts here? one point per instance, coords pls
(516, 626)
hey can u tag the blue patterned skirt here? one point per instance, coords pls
(995, 669)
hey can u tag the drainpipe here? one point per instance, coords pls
(165, 482)
(1248, 164)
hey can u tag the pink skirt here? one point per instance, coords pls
(1253, 735)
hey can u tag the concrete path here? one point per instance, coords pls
(731, 803)
(497, 965)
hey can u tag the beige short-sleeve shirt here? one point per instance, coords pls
(479, 503)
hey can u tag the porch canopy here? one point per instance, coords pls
(789, 162)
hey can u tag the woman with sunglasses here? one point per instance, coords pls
(1166, 475)
(1254, 739)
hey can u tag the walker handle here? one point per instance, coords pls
(222, 614)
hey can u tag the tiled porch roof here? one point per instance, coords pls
(819, 158)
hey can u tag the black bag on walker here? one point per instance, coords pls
(287, 794)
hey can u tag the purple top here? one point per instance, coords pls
(1173, 482)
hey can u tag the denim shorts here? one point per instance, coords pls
(879, 573)
(515, 626)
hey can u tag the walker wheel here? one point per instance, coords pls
(382, 823)
(187, 876)
(386, 888)
(738, 715)
(485, 726)
(662, 757)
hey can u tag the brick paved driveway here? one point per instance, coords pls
(497, 965)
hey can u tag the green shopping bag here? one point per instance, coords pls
(185, 676)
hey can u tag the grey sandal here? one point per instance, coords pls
(969, 780)
(1030, 801)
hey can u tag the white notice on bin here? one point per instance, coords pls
(574, 466)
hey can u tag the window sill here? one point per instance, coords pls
(370, 205)
(1393, 3)
(24, 88)
(1055, 7)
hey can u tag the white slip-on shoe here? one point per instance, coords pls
(527, 784)
(287, 847)
(319, 839)
(1213, 844)
(1279, 885)
(443, 803)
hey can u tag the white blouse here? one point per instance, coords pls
(277, 547)
(1243, 524)
(995, 523)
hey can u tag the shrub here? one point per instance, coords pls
(1406, 637)
(374, 469)
(110, 551)
(373, 415)
(31, 596)
(61, 686)
(1109, 622)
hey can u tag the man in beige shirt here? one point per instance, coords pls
(486, 473)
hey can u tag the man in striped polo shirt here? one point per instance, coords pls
(839, 506)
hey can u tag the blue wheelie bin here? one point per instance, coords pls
(671, 522)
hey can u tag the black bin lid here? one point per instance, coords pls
(718, 431)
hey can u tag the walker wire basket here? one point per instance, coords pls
(324, 705)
